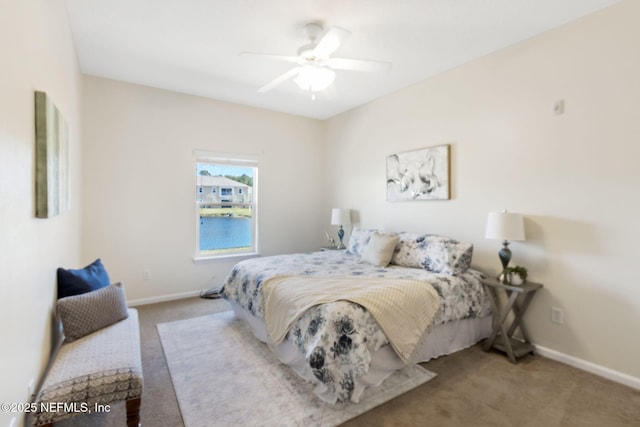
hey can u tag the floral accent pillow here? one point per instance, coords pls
(408, 249)
(358, 240)
(438, 254)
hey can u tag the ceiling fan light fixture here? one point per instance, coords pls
(314, 79)
(314, 70)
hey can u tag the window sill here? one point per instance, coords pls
(226, 257)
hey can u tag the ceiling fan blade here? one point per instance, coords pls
(286, 58)
(358, 65)
(280, 79)
(330, 41)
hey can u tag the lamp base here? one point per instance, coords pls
(505, 254)
(341, 236)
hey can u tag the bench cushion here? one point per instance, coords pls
(100, 368)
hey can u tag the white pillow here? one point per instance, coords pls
(379, 249)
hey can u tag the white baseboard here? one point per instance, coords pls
(599, 370)
(162, 298)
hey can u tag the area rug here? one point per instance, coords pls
(224, 376)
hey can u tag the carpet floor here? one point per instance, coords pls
(473, 388)
(216, 358)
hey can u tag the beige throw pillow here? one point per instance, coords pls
(380, 249)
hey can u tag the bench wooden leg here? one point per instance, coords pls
(133, 412)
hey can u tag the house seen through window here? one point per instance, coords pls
(226, 204)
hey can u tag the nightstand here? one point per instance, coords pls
(518, 299)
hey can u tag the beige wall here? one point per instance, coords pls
(575, 176)
(36, 53)
(139, 182)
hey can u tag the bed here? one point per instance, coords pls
(338, 345)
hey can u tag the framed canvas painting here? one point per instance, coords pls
(419, 174)
(52, 159)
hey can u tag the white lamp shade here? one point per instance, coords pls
(340, 216)
(314, 78)
(505, 226)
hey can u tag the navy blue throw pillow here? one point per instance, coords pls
(76, 282)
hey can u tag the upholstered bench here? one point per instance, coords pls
(93, 371)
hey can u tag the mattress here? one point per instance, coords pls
(339, 346)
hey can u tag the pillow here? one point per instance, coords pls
(407, 252)
(358, 240)
(380, 249)
(447, 256)
(89, 312)
(76, 282)
(438, 254)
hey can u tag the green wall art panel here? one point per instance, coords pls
(52, 159)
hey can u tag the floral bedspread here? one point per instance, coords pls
(338, 339)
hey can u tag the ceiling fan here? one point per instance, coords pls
(315, 66)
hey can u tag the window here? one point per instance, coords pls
(226, 220)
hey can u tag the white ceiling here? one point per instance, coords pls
(192, 46)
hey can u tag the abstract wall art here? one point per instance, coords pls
(419, 174)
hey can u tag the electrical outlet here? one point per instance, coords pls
(557, 315)
(146, 275)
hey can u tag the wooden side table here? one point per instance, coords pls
(518, 299)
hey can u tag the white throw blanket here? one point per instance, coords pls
(402, 308)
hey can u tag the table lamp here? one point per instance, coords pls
(340, 217)
(505, 226)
